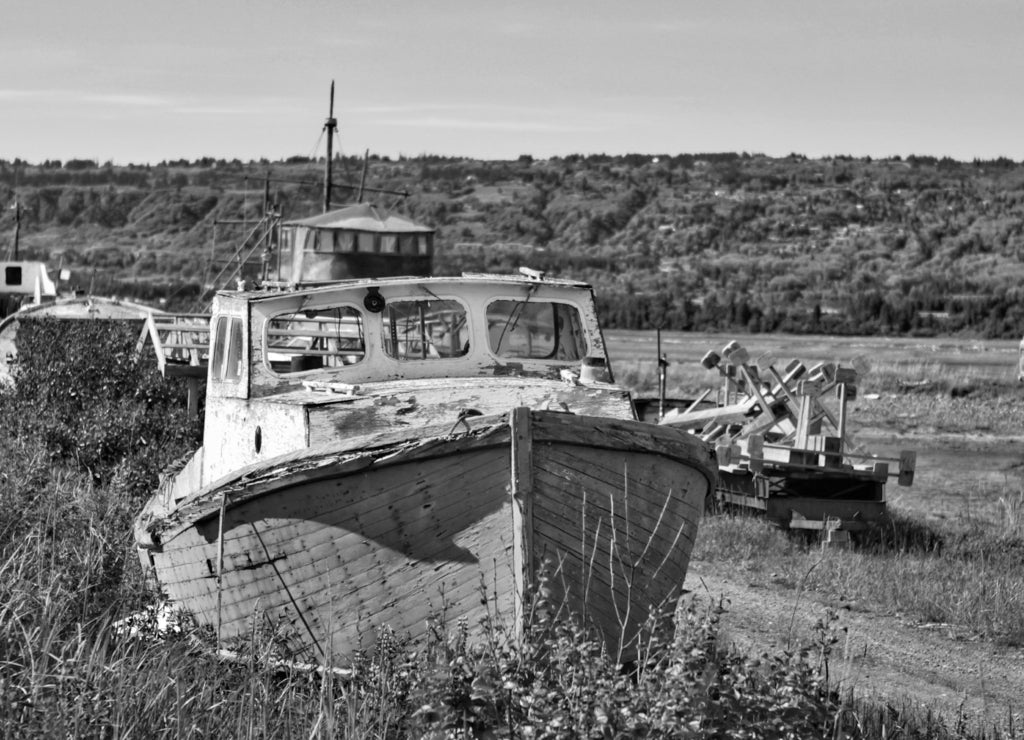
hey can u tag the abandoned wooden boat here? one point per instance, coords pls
(382, 451)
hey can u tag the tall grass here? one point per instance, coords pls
(68, 575)
(682, 381)
(67, 677)
(968, 578)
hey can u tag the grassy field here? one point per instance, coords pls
(953, 552)
(956, 403)
(75, 468)
(635, 354)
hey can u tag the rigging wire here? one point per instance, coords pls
(316, 146)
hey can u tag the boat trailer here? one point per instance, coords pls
(782, 443)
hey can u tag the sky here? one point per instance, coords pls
(150, 80)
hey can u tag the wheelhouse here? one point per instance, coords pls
(358, 241)
(365, 331)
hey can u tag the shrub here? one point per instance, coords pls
(81, 391)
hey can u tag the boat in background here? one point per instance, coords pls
(24, 281)
(27, 292)
(357, 241)
(377, 452)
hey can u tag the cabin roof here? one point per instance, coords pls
(362, 217)
(259, 296)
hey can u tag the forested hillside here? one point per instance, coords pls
(696, 241)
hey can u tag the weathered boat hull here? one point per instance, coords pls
(328, 545)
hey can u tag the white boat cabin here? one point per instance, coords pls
(25, 280)
(298, 369)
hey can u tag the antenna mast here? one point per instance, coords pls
(362, 180)
(17, 227)
(330, 125)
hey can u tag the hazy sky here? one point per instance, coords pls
(146, 80)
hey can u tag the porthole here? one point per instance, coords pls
(259, 439)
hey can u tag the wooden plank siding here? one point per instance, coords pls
(622, 552)
(330, 544)
(366, 550)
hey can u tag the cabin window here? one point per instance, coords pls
(12, 275)
(366, 242)
(425, 330)
(425, 242)
(388, 243)
(228, 352)
(343, 241)
(330, 240)
(328, 336)
(304, 238)
(284, 254)
(233, 361)
(536, 329)
(407, 244)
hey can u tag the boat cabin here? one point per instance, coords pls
(358, 241)
(24, 280)
(296, 369)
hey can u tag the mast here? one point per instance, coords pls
(362, 180)
(270, 231)
(330, 126)
(17, 227)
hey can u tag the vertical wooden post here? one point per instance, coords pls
(193, 397)
(803, 421)
(662, 370)
(220, 560)
(841, 430)
(522, 512)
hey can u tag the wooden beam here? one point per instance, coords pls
(174, 370)
(522, 512)
(735, 414)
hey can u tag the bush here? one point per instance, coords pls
(81, 391)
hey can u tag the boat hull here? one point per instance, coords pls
(327, 546)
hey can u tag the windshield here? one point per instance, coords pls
(425, 330)
(313, 339)
(535, 329)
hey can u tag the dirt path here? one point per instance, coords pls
(877, 656)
